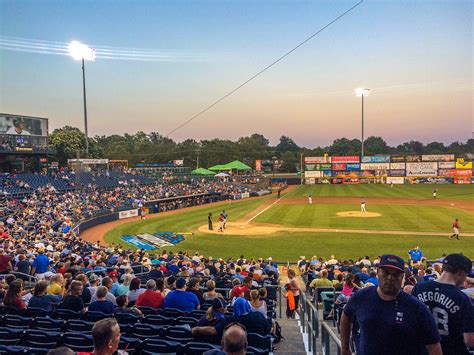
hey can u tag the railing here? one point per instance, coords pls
(309, 321)
(29, 280)
(328, 337)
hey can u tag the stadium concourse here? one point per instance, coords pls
(56, 286)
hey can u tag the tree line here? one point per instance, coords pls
(69, 142)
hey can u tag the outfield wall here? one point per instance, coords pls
(414, 169)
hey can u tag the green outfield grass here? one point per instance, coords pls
(288, 246)
(461, 192)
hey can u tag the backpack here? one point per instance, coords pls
(277, 333)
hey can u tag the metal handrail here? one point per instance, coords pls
(328, 335)
(309, 321)
(31, 280)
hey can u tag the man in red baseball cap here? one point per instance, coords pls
(390, 321)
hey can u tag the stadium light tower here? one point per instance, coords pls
(82, 52)
(362, 92)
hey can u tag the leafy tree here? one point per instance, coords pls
(375, 145)
(435, 148)
(344, 146)
(67, 141)
(286, 144)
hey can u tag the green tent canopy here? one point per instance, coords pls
(217, 168)
(237, 165)
(202, 171)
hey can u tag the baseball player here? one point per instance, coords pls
(310, 199)
(362, 205)
(435, 192)
(455, 230)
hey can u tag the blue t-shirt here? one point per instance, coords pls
(452, 311)
(41, 264)
(415, 255)
(402, 326)
(105, 306)
(182, 300)
(373, 280)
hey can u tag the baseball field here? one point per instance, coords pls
(397, 218)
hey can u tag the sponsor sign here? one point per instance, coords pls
(351, 181)
(314, 160)
(397, 166)
(179, 162)
(462, 164)
(422, 169)
(311, 167)
(88, 161)
(325, 166)
(353, 166)
(23, 125)
(310, 181)
(375, 166)
(327, 173)
(462, 180)
(413, 158)
(23, 149)
(395, 180)
(444, 172)
(455, 173)
(137, 242)
(438, 157)
(397, 158)
(245, 195)
(258, 165)
(312, 174)
(376, 159)
(397, 172)
(336, 181)
(128, 214)
(446, 164)
(349, 159)
(338, 166)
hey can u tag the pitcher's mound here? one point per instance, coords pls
(235, 228)
(358, 214)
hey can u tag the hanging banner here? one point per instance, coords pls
(338, 166)
(376, 159)
(353, 166)
(438, 157)
(446, 164)
(422, 169)
(375, 166)
(397, 172)
(397, 158)
(349, 159)
(312, 174)
(313, 160)
(462, 164)
(413, 158)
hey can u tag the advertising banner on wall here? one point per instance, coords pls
(312, 174)
(446, 164)
(395, 180)
(349, 159)
(397, 158)
(422, 169)
(438, 157)
(353, 167)
(258, 165)
(462, 180)
(462, 164)
(178, 162)
(397, 166)
(351, 181)
(310, 181)
(310, 167)
(397, 172)
(88, 161)
(314, 160)
(325, 166)
(339, 166)
(376, 159)
(128, 214)
(327, 173)
(375, 166)
(413, 158)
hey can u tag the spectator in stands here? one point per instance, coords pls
(113, 275)
(13, 296)
(125, 286)
(22, 266)
(469, 287)
(135, 290)
(86, 293)
(156, 273)
(451, 308)
(74, 301)
(373, 278)
(338, 282)
(256, 304)
(122, 307)
(234, 341)
(246, 286)
(356, 283)
(40, 265)
(41, 299)
(181, 299)
(62, 350)
(321, 281)
(5, 262)
(194, 287)
(389, 320)
(102, 304)
(211, 292)
(93, 284)
(106, 336)
(214, 314)
(415, 255)
(56, 285)
(151, 297)
(107, 283)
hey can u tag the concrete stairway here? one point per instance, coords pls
(293, 342)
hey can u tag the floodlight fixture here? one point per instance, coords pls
(80, 51)
(362, 91)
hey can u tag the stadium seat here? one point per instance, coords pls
(40, 338)
(78, 325)
(17, 322)
(148, 310)
(93, 316)
(264, 342)
(66, 314)
(192, 322)
(143, 331)
(179, 334)
(129, 344)
(78, 342)
(198, 348)
(13, 349)
(159, 346)
(47, 323)
(36, 312)
(10, 336)
(156, 319)
(172, 312)
(127, 318)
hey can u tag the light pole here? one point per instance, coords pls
(362, 92)
(83, 52)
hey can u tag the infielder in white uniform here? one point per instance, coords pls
(310, 199)
(362, 205)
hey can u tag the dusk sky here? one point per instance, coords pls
(161, 62)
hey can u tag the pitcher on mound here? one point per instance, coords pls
(362, 205)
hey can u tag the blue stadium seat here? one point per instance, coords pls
(78, 342)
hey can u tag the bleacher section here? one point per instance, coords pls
(36, 181)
